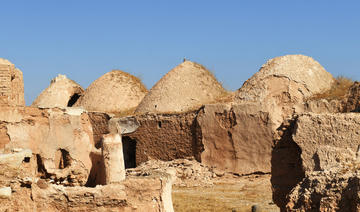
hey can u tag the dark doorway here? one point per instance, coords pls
(64, 160)
(73, 99)
(129, 150)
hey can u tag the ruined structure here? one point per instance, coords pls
(282, 85)
(11, 84)
(115, 92)
(61, 164)
(236, 136)
(62, 93)
(315, 146)
(322, 172)
(335, 189)
(63, 159)
(351, 103)
(62, 140)
(231, 138)
(22, 190)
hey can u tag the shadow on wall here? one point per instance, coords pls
(197, 145)
(286, 166)
(97, 172)
(62, 159)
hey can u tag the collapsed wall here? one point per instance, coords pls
(312, 143)
(11, 85)
(47, 163)
(67, 142)
(62, 140)
(21, 189)
(334, 101)
(336, 189)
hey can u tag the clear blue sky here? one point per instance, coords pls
(85, 39)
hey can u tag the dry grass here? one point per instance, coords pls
(222, 95)
(137, 81)
(338, 90)
(235, 196)
(225, 96)
(209, 73)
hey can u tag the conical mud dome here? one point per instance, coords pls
(282, 85)
(115, 91)
(186, 87)
(300, 69)
(62, 92)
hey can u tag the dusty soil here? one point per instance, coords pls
(197, 187)
(226, 194)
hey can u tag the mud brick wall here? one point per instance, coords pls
(5, 84)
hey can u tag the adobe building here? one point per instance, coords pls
(11, 85)
(186, 87)
(62, 92)
(114, 92)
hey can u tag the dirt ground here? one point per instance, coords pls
(201, 188)
(227, 194)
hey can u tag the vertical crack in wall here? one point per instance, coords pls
(197, 144)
